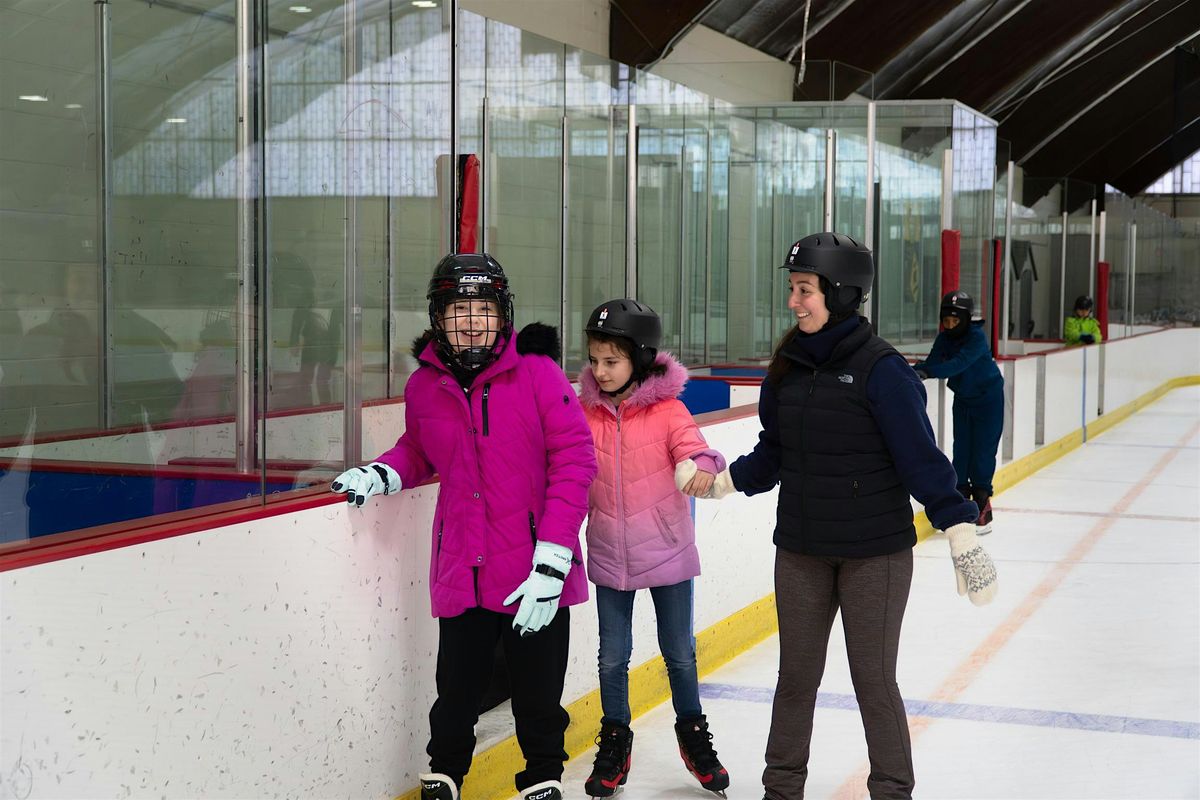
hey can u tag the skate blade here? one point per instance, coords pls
(983, 530)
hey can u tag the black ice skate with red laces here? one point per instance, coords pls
(983, 525)
(695, 747)
(613, 760)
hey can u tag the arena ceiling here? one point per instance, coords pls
(1104, 91)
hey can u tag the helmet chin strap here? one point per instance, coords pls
(616, 392)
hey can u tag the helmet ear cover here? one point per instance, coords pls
(841, 301)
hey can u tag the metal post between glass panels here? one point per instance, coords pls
(869, 198)
(104, 377)
(1091, 284)
(249, 183)
(631, 204)
(1062, 275)
(352, 377)
(1008, 212)
(1130, 304)
(564, 232)
(830, 175)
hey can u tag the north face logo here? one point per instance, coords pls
(846, 378)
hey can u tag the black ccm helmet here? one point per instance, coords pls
(631, 320)
(468, 276)
(847, 267)
(1083, 302)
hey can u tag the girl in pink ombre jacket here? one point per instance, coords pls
(640, 533)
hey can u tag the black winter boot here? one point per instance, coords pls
(695, 746)
(613, 760)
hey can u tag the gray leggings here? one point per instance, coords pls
(872, 594)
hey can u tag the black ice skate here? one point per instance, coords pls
(983, 525)
(546, 790)
(436, 786)
(695, 746)
(613, 760)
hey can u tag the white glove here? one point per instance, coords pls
(359, 483)
(540, 592)
(722, 486)
(722, 483)
(684, 472)
(973, 568)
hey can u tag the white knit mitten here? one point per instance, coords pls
(973, 568)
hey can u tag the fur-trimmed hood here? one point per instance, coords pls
(654, 389)
(535, 338)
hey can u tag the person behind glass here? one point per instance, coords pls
(640, 533)
(1081, 327)
(847, 440)
(493, 415)
(961, 354)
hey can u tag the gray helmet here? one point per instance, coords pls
(846, 265)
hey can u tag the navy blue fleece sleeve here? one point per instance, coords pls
(758, 470)
(974, 348)
(897, 399)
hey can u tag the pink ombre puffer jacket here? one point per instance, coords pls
(640, 531)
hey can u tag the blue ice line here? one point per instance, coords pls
(980, 713)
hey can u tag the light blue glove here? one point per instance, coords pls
(359, 483)
(540, 592)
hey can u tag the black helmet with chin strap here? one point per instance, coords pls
(847, 267)
(636, 322)
(469, 276)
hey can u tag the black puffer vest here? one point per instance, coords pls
(839, 493)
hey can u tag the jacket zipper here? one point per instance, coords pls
(621, 504)
(532, 530)
(487, 387)
(855, 487)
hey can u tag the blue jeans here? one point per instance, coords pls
(673, 610)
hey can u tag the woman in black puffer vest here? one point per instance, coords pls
(847, 440)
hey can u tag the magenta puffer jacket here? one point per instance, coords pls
(515, 459)
(640, 531)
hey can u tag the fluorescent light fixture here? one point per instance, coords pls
(176, 120)
(72, 105)
(34, 98)
(424, 4)
(300, 9)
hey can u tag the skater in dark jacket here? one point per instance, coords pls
(961, 353)
(847, 440)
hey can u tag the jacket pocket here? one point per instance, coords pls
(665, 527)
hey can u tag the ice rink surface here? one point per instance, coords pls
(1081, 680)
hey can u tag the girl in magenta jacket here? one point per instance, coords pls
(492, 414)
(640, 533)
